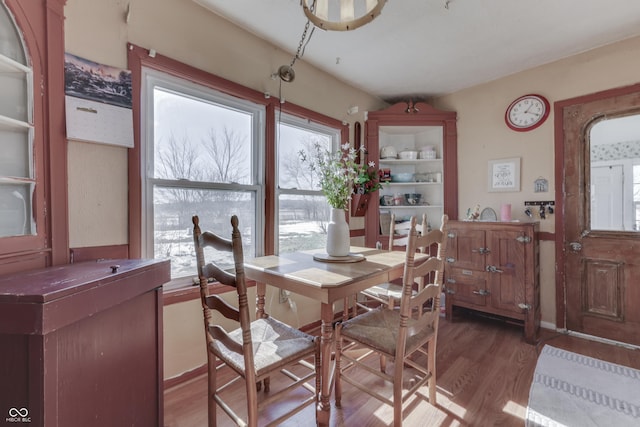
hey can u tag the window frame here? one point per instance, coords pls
(139, 57)
(303, 123)
(41, 27)
(152, 79)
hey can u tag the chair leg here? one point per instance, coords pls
(397, 396)
(338, 371)
(267, 384)
(431, 364)
(211, 385)
(383, 363)
(383, 359)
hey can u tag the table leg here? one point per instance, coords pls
(323, 412)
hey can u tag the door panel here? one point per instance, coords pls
(467, 248)
(506, 255)
(601, 262)
(602, 289)
(469, 286)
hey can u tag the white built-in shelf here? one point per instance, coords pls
(410, 207)
(410, 183)
(409, 162)
(8, 65)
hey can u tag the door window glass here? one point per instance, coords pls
(614, 180)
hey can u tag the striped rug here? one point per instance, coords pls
(570, 389)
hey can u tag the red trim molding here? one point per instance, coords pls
(99, 252)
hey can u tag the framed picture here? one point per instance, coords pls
(504, 175)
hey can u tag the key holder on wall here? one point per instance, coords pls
(544, 208)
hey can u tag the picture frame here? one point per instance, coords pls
(504, 175)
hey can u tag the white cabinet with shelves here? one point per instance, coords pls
(426, 174)
(433, 174)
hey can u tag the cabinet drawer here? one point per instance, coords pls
(469, 286)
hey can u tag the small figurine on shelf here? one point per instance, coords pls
(473, 216)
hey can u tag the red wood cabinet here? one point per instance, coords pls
(493, 267)
(81, 344)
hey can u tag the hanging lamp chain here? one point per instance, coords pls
(302, 44)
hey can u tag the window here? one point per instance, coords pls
(303, 211)
(17, 175)
(202, 157)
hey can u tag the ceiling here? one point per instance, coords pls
(427, 48)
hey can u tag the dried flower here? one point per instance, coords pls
(339, 173)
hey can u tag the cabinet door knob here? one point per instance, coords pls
(451, 260)
(482, 292)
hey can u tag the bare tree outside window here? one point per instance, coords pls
(202, 158)
(303, 209)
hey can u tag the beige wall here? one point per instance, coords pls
(483, 135)
(180, 29)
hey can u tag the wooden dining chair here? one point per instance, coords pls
(257, 349)
(389, 293)
(407, 336)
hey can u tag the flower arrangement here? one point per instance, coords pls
(339, 173)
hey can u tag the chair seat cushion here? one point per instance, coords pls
(378, 329)
(275, 344)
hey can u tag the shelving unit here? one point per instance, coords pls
(422, 129)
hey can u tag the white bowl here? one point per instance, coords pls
(401, 177)
(408, 155)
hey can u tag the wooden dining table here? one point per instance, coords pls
(326, 282)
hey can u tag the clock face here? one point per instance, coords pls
(527, 112)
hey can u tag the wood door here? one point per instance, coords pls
(601, 266)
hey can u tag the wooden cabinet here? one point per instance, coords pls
(81, 344)
(493, 267)
(418, 128)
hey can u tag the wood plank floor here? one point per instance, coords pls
(484, 375)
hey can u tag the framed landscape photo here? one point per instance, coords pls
(504, 175)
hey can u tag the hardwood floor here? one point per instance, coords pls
(484, 376)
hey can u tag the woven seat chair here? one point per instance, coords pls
(257, 349)
(407, 336)
(389, 294)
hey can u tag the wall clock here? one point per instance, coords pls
(527, 112)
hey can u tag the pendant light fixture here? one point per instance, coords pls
(341, 15)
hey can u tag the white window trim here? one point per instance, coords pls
(150, 79)
(292, 120)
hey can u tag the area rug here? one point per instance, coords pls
(570, 389)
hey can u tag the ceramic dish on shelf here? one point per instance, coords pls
(408, 155)
(401, 177)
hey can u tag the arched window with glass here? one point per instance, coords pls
(17, 171)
